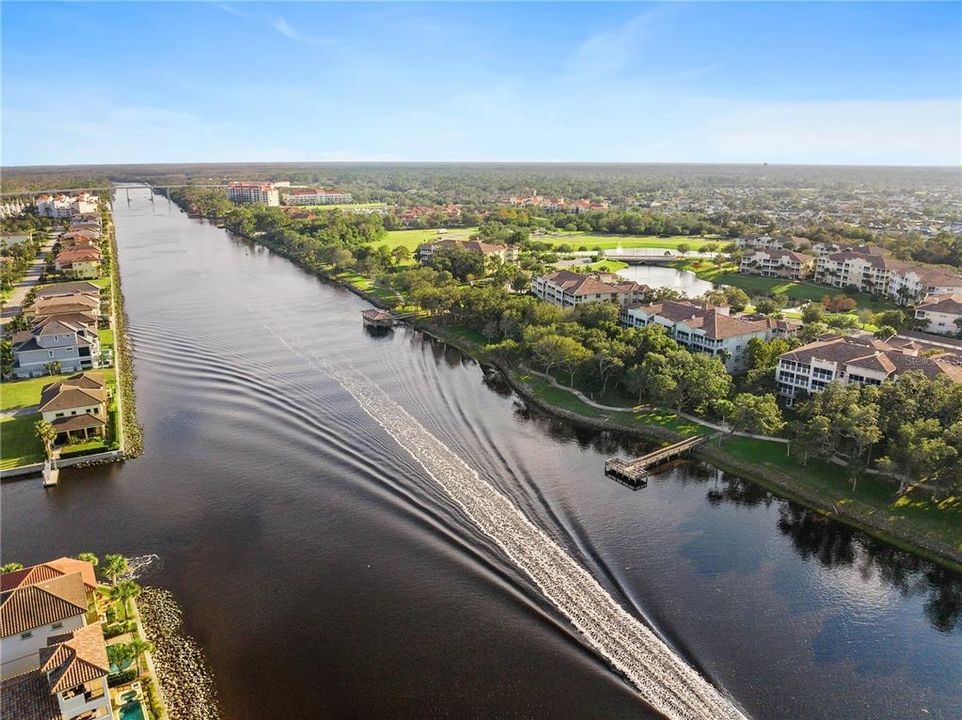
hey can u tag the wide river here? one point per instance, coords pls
(326, 574)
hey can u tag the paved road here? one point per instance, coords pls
(30, 278)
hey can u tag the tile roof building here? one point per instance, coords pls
(778, 263)
(256, 193)
(940, 314)
(869, 271)
(33, 610)
(76, 406)
(703, 327)
(862, 360)
(506, 253)
(64, 206)
(568, 289)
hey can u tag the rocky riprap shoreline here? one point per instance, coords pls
(185, 677)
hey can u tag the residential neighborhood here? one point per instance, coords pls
(70, 646)
(568, 289)
(59, 374)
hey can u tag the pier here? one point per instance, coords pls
(635, 472)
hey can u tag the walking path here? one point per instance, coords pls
(720, 427)
(29, 279)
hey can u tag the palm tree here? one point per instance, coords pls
(114, 565)
(53, 367)
(10, 567)
(89, 557)
(47, 434)
(138, 647)
(124, 591)
(119, 653)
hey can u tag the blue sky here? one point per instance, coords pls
(874, 83)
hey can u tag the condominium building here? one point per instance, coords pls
(65, 206)
(877, 274)
(940, 314)
(778, 263)
(568, 288)
(313, 196)
(862, 360)
(253, 193)
(703, 327)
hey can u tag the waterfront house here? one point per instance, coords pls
(47, 304)
(862, 360)
(568, 289)
(703, 327)
(36, 604)
(778, 263)
(79, 238)
(79, 262)
(940, 314)
(76, 407)
(69, 288)
(505, 253)
(75, 666)
(74, 346)
(253, 193)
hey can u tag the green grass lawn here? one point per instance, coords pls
(19, 444)
(601, 266)
(758, 285)
(942, 521)
(106, 339)
(596, 241)
(560, 397)
(22, 393)
(412, 238)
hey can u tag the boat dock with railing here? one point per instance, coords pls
(635, 472)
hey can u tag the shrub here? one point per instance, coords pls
(121, 678)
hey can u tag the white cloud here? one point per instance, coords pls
(284, 28)
(607, 52)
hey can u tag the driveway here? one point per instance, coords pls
(30, 278)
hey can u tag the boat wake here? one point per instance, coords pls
(662, 678)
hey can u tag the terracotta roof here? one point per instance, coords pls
(73, 423)
(949, 304)
(874, 355)
(78, 254)
(47, 571)
(579, 285)
(75, 658)
(27, 697)
(30, 606)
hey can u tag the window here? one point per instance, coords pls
(56, 626)
(26, 636)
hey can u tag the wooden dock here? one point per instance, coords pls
(635, 472)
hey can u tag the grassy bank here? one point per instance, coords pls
(913, 522)
(412, 238)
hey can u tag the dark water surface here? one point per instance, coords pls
(326, 575)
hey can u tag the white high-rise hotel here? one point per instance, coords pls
(259, 193)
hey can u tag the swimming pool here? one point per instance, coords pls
(132, 711)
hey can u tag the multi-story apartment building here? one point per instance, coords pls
(253, 193)
(65, 206)
(868, 270)
(863, 360)
(569, 288)
(778, 263)
(703, 327)
(941, 314)
(314, 196)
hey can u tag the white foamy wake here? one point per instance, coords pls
(662, 678)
